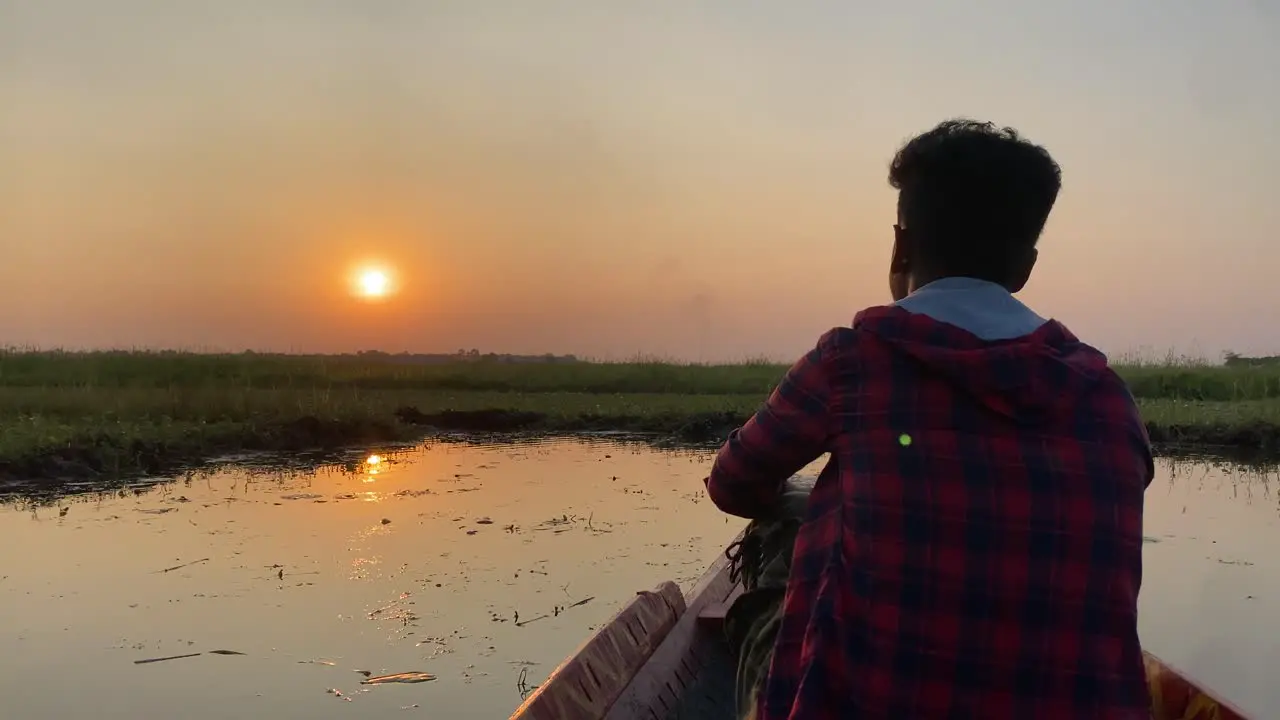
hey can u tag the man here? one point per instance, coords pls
(973, 547)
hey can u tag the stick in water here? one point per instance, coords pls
(179, 567)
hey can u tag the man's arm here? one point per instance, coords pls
(792, 430)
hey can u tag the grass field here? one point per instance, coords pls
(105, 414)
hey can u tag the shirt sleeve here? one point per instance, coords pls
(793, 429)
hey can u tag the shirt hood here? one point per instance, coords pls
(1025, 378)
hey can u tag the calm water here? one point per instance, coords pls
(422, 564)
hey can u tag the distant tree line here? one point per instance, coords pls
(462, 355)
(1233, 359)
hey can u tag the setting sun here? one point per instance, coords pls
(373, 283)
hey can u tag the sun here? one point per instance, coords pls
(373, 282)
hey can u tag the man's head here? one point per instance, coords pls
(972, 201)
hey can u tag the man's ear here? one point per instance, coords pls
(1022, 273)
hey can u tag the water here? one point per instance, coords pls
(302, 575)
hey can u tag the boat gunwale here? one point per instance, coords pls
(588, 682)
(673, 667)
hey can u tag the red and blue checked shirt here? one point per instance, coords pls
(973, 547)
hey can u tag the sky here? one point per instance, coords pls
(692, 179)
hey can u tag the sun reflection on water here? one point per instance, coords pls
(372, 466)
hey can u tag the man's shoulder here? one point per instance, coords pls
(844, 336)
(839, 340)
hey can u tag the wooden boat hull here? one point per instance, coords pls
(664, 657)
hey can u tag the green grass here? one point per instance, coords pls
(58, 417)
(118, 412)
(1173, 379)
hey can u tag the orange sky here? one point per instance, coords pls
(703, 180)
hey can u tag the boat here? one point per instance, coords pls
(663, 656)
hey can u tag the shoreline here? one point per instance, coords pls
(70, 420)
(102, 457)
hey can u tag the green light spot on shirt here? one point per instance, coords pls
(904, 440)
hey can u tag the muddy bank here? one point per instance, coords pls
(1247, 442)
(692, 428)
(103, 458)
(1249, 439)
(100, 459)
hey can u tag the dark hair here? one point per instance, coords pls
(974, 196)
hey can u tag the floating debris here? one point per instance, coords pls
(338, 693)
(386, 521)
(404, 677)
(179, 567)
(157, 511)
(163, 659)
(413, 493)
(555, 612)
(533, 620)
(330, 663)
(183, 657)
(484, 521)
(301, 496)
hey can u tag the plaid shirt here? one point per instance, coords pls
(973, 547)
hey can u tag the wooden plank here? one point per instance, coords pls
(674, 666)
(1174, 696)
(587, 684)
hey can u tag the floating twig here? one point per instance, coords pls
(189, 564)
(188, 655)
(162, 659)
